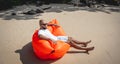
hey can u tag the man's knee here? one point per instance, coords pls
(69, 38)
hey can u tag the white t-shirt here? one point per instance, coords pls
(48, 34)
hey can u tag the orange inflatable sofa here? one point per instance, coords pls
(44, 49)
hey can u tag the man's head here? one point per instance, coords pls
(42, 24)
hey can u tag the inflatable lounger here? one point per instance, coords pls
(44, 49)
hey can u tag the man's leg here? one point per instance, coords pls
(79, 42)
(78, 47)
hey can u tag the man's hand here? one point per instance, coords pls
(53, 25)
(56, 25)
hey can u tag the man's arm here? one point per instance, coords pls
(52, 24)
(45, 38)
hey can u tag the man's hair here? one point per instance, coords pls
(41, 22)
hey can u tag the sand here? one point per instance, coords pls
(102, 28)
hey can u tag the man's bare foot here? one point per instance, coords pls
(89, 49)
(85, 43)
(88, 42)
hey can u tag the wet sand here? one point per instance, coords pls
(102, 28)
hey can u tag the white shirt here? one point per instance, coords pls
(47, 33)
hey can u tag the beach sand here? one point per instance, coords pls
(102, 28)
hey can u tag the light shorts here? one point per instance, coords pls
(63, 38)
(48, 34)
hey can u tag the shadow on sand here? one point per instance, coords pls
(27, 55)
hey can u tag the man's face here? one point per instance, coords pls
(42, 24)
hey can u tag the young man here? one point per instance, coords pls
(44, 33)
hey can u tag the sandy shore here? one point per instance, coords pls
(102, 28)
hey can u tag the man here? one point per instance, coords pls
(44, 33)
